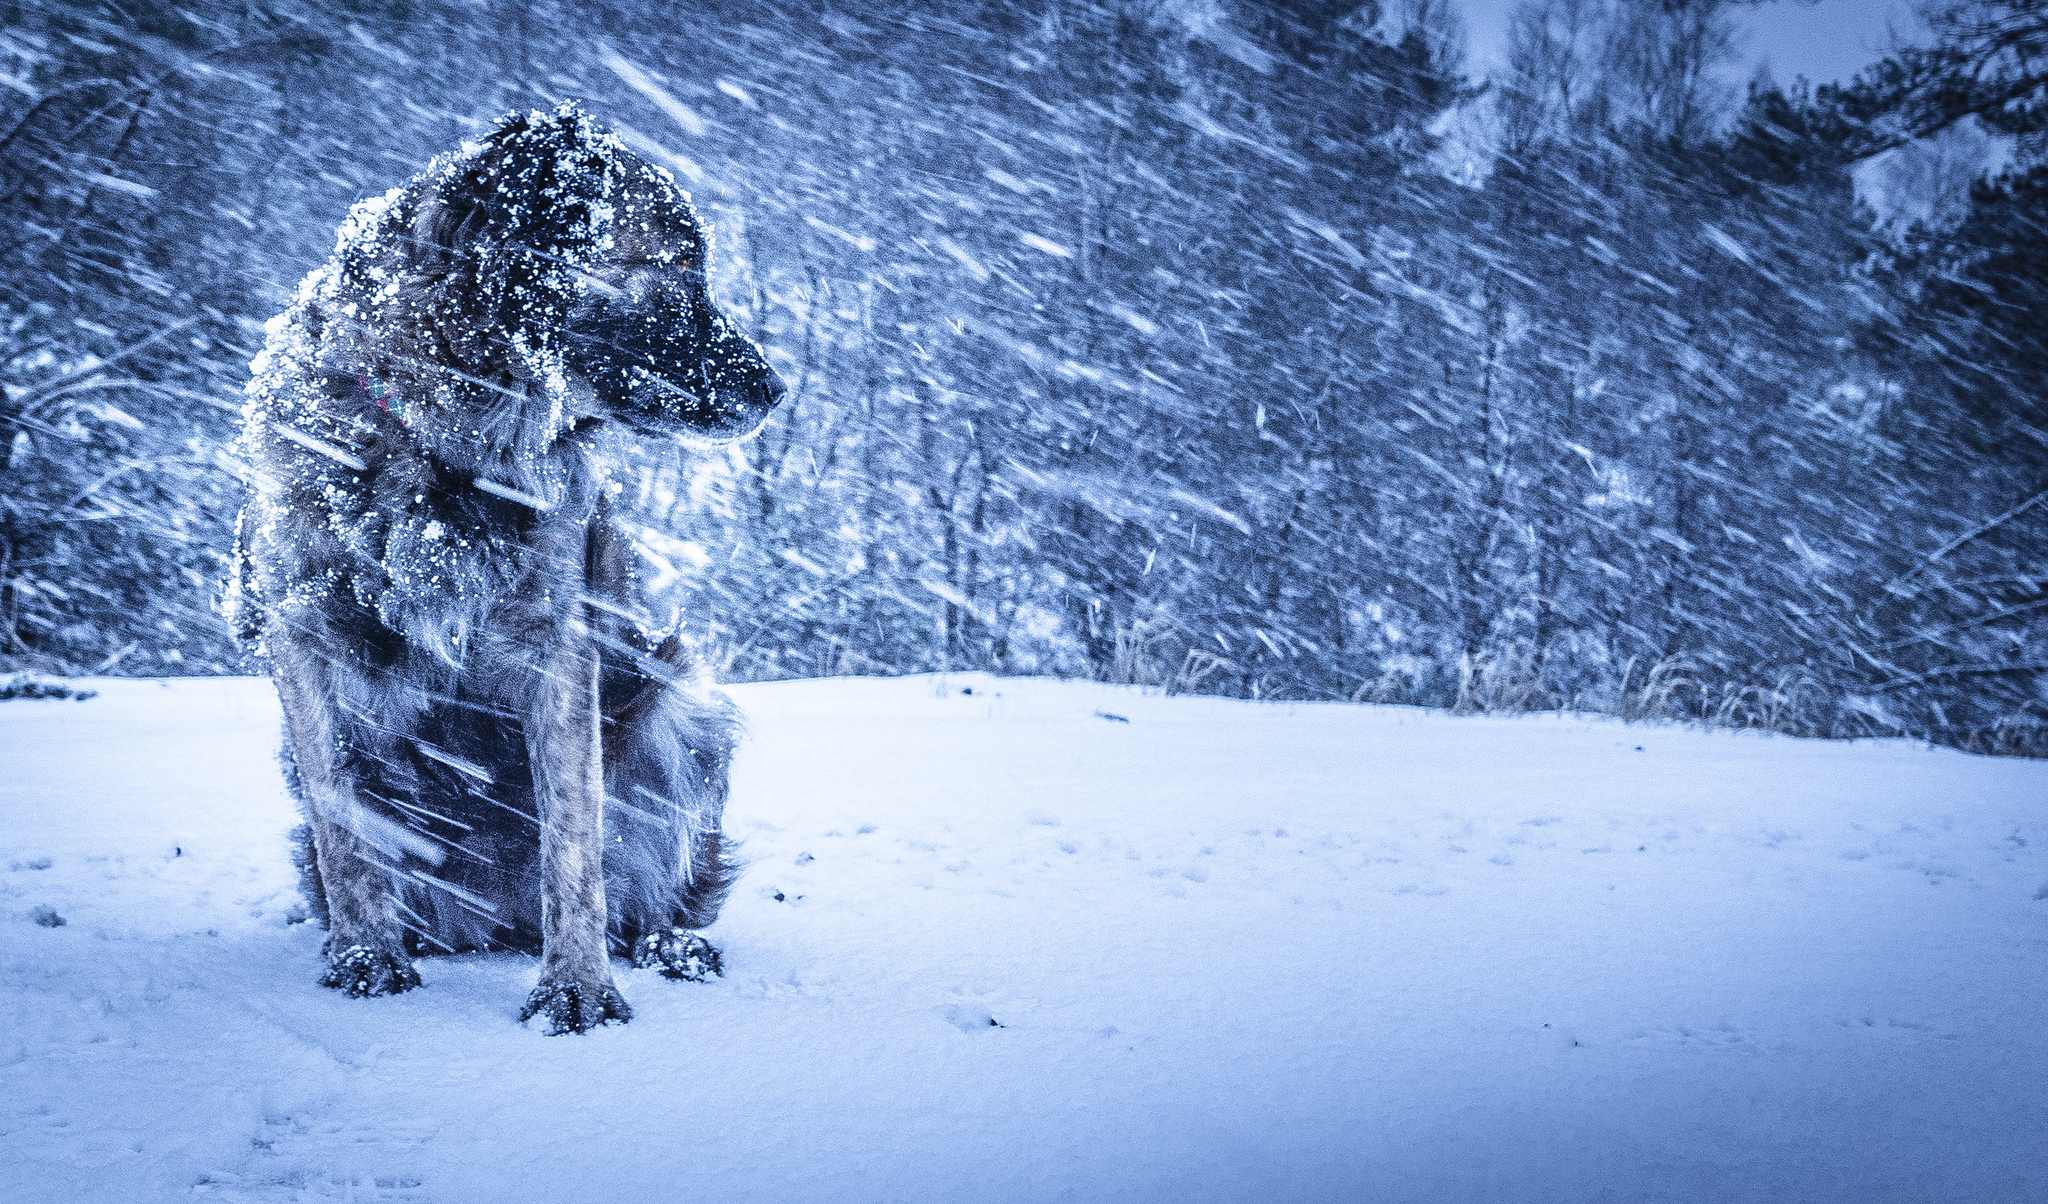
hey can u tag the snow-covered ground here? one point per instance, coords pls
(1232, 951)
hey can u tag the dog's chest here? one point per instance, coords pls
(476, 576)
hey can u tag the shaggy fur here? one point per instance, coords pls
(492, 749)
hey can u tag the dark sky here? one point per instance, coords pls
(1826, 41)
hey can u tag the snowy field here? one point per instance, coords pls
(1231, 952)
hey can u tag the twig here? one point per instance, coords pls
(1965, 537)
(50, 390)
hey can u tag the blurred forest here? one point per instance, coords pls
(1224, 346)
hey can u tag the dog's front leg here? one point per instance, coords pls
(576, 992)
(365, 943)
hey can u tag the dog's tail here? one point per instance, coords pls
(668, 750)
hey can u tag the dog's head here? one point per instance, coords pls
(550, 246)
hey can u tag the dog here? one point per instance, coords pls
(492, 747)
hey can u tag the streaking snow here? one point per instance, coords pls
(1224, 951)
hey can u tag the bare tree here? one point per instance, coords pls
(1663, 59)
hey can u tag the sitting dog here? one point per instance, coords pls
(491, 748)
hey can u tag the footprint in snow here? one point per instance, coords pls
(968, 1018)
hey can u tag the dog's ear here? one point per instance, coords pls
(431, 238)
(498, 236)
(449, 224)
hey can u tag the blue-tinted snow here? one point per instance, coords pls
(1231, 951)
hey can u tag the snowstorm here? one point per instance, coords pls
(1457, 557)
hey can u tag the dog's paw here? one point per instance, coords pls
(363, 971)
(678, 953)
(575, 1007)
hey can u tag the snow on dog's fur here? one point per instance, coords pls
(492, 749)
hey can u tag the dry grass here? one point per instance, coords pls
(1793, 702)
(1659, 697)
(1508, 682)
(1672, 689)
(1157, 653)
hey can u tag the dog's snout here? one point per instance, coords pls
(659, 354)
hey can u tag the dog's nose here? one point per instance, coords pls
(773, 389)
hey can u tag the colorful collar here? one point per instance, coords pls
(388, 401)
